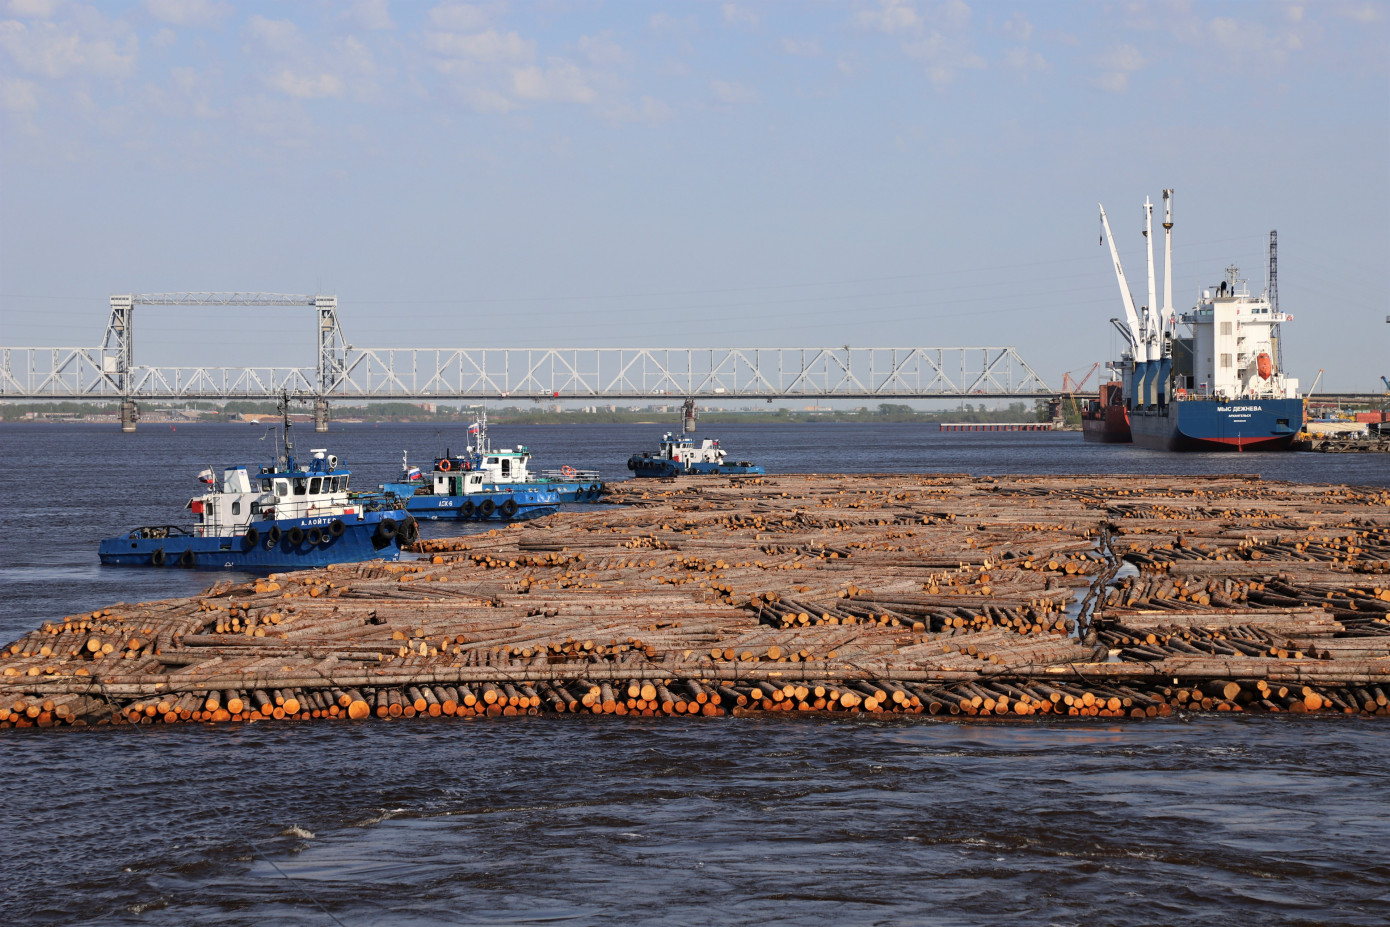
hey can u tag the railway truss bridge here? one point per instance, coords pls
(345, 372)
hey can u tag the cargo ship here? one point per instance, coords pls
(1221, 386)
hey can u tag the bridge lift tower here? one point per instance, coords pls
(118, 347)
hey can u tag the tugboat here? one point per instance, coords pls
(499, 476)
(286, 516)
(679, 454)
(457, 490)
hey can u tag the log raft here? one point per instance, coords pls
(930, 594)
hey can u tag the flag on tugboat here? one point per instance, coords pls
(413, 473)
(206, 477)
(473, 428)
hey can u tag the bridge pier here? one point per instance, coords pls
(130, 414)
(320, 416)
(688, 416)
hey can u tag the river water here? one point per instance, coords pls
(1271, 820)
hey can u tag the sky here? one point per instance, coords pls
(689, 174)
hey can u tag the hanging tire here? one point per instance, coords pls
(314, 536)
(486, 508)
(408, 533)
(272, 536)
(296, 536)
(386, 529)
(468, 508)
(336, 527)
(631, 464)
(252, 537)
(508, 508)
(594, 490)
(158, 557)
(186, 559)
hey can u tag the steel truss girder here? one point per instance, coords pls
(537, 373)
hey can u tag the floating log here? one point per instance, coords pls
(925, 593)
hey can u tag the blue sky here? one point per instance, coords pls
(688, 174)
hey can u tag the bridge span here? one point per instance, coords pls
(345, 372)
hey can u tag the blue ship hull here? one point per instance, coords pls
(360, 539)
(527, 495)
(660, 467)
(1211, 425)
(519, 505)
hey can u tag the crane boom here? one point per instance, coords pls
(1131, 316)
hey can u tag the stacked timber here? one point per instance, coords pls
(932, 594)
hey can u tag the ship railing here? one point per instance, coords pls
(568, 474)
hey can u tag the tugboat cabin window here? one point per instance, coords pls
(236, 506)
(506, 467)
(282, 488)
(301, 486)
(267, 485)
(315, 485)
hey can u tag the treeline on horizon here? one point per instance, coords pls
(514, 415)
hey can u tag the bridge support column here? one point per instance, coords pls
(688, 416)
(130, 414)
(320, 415)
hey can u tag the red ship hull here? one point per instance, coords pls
(1106, 421)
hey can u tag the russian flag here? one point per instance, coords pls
(413, 473)
(206, 477)
(473, 428)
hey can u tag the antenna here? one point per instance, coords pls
(1274, 298)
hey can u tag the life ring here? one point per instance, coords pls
(508, 508)
(465, 466)
(296, 536)
(186, 559)
(386, 528)
(252, 538)
(468, 508)
(445, 465)
(567, 471)
(486, 508)
(336, 527)
(158, 557)
(1181, 394)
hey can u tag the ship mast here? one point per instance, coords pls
(1167, 258)
(283, 463)
(1151, 309)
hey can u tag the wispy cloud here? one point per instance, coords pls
(732, 94)
(1117, 65)
(190, 13)
(801, 48)
(56, 51)
(558, 82)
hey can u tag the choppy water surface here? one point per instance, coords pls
(603, 820)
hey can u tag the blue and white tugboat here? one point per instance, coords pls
(457, 491)
(680, 455)
(490, 483)
(287, 516)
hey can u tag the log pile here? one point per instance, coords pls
(937, 594)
